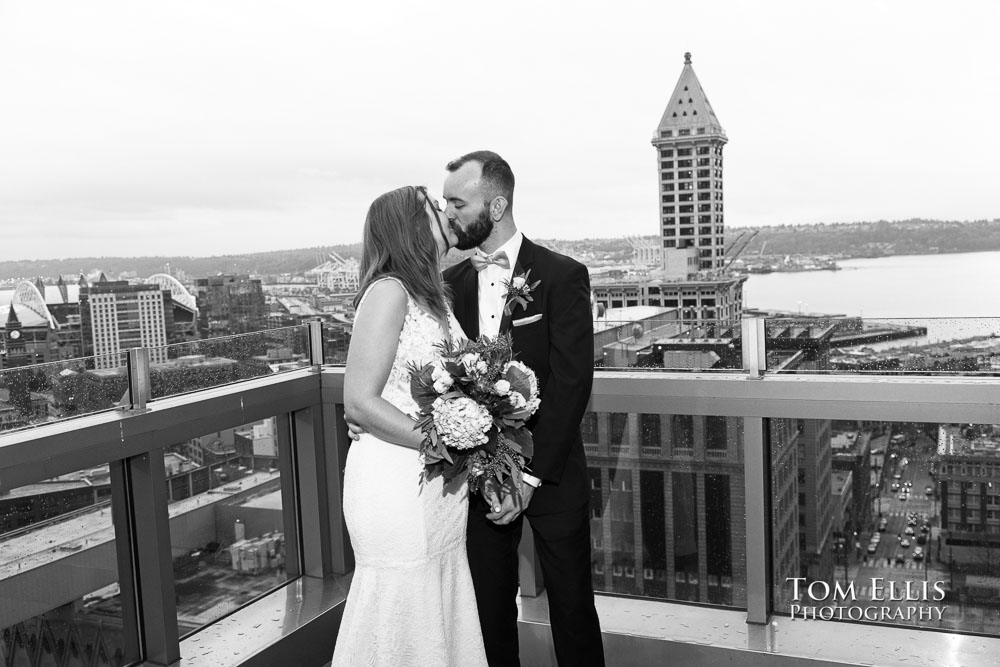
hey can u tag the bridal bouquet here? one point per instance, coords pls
(474, 403)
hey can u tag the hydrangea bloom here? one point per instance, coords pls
(461, 422)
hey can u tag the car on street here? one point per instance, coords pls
(901, 496)
(921, 539)
(909, 531)
(925, 528)
(918, 553)
(905, 543)
(929, 491)
(894, 487)
(883, 524)
(872, 547)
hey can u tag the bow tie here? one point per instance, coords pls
(480, 262)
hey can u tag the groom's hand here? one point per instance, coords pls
(512, 504)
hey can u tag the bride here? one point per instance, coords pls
(411, 600)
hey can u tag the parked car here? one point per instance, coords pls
(905, 543)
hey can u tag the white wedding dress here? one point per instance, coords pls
(411, 600)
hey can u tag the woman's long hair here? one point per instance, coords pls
(398, 242)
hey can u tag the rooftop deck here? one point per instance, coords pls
(656, 617)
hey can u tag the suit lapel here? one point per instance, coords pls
(525, 259)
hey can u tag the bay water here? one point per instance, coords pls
(953, 295)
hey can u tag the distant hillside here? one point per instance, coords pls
(876, 239)
(860, 239)
(262, 263)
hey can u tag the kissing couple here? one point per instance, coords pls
(436, 577)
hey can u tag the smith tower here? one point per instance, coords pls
(689, 141)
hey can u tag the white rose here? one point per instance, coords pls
(517, 282)
(502, 387)
(440, 375)
(469, 360)
(481, 366)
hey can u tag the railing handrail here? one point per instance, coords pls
(814, 396)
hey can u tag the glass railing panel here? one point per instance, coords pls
(667, 343)
(854, 345)
(44, 393)
(887, 522)
(226, 521)
(185, 367)
(336, 340)
(667, 512)
(59, 582)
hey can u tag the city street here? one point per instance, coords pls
(893, 562)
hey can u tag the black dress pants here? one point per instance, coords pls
(562, 541)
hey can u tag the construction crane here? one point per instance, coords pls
(736, 252)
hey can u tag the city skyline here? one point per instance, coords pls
(214, 129)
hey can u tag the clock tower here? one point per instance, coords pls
(16, 352)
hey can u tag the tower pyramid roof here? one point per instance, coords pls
(12, 316)
(689, 106)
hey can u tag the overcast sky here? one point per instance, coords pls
(224, 126)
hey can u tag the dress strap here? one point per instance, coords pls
(409, 299)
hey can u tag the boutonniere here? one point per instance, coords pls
(519, 291)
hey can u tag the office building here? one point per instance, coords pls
(230, 304)
(116, 316)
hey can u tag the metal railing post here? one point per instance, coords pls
(756, 480)
(138, 377)
(758, 522)
(145, 481)
(316, 343)
(754, 353)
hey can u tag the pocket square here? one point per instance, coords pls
(525, 320)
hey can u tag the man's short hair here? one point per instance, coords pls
(497, 179)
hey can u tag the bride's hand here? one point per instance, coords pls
(512, 503)
(491, 492)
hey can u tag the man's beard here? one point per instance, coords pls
(473, 235)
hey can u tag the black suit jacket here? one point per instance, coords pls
(559, 348)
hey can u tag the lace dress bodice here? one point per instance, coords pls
(418, 341)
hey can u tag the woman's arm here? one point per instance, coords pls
(369, 359)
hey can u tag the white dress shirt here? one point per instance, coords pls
(491, 300)
(492, 289)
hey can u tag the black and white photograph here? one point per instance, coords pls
(510, 334)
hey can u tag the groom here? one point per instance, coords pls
(553, 335)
